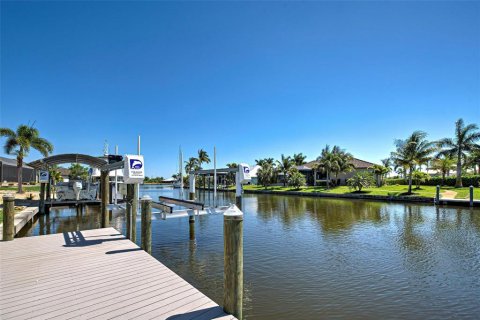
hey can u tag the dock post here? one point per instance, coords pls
(147, 224)
(191, 182)
(437, 195)
(49, 192)
(8, 217)
(191, 223)
(134, 213)
(238, 191)
(471, 196)
(41, 201)
(233, 262)
(105, 184)
(128, 211)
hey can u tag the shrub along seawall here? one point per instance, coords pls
(469, 180)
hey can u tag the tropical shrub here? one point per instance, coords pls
(265, 175)
(296, 180)
(361, 180)
(420, 177)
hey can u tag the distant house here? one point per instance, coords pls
(316, 178)
(8, 171)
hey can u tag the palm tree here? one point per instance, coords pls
(203, 157)
(261, 162)
(284, 165)
(191, 164)
(56, 176)
(265, 174)
(464, 142)
(443, 163)
(343, 161)
(327, 162)
(19, 142)
(412, 152)
(231, 175)
(380, 172)
(299, 159)
(474, 160)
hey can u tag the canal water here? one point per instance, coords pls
(313, 258)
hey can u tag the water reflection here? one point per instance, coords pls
(309, 258)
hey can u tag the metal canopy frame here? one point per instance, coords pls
(94, 162)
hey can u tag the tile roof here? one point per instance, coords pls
(12, 162)
(357, 163)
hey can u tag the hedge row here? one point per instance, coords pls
(469, 180)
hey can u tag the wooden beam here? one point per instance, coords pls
(164, 207)
(184, 203)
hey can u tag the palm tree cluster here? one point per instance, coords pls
(20, 142)
(333, 162)
(461, 151)
(286, 165)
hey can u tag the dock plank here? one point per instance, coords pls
(93, 274)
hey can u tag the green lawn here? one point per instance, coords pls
(395, 190)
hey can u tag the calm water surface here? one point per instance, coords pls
(312, 258)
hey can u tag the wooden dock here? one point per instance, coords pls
(93, 274)
(21, 219)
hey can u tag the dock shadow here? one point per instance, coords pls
(77, 239)
(207, 313)
(123, 250)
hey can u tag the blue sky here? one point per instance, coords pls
(256, 79)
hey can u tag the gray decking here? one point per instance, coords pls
(93, 274)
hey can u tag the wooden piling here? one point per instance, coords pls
(49, 191)
(146, 203)
(128, 211)
(134, 213)
(233, 262)
(104, 182)
(437, 195)
(41, 201)
(8, 217)
(471, 196)
(192, 229)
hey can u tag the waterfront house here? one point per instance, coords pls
(315, 177)
(8, 171)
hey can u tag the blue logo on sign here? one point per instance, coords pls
(135, 164)
(246, 169)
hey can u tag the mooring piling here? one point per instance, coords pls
(146, 203)
(134, 213)
(128, 211)
(233, 262)
(471, 196)
(41, 202)
(8, 217)
(437, 195)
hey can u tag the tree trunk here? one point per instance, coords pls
(20, 174)
(443, 178)
(410, 173)
(458, 182)
(284, 178)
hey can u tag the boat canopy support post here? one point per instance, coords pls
(105, 186)
(191, 183)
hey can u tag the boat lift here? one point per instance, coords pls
(242, 176)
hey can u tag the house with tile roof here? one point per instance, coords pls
(315, 177)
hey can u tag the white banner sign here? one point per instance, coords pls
(133, 169)
(43, 178)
